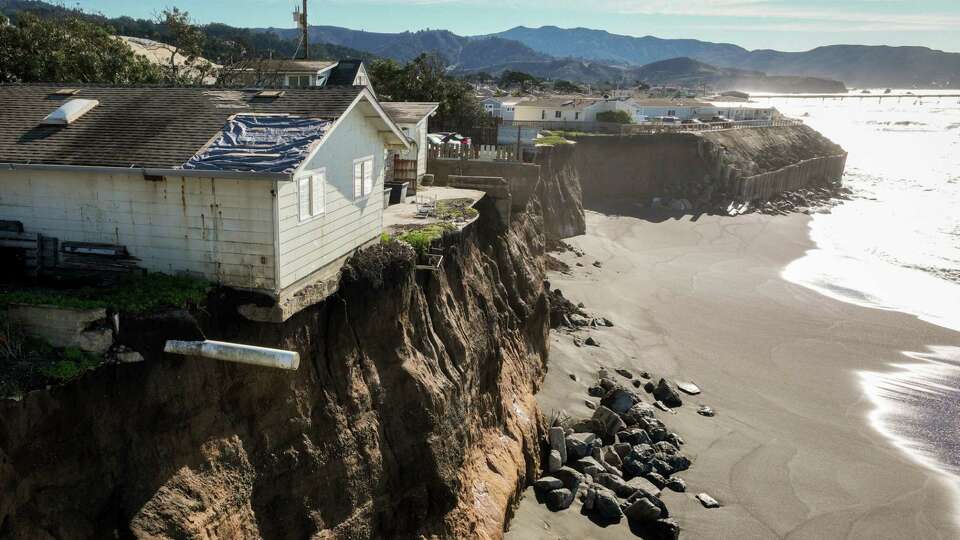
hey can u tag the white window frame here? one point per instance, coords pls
(311, 194)
(361, 188)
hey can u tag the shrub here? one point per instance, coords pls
(617, 117)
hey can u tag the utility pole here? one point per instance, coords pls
(301, 19)
(306, 31)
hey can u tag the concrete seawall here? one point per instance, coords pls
(744, 164)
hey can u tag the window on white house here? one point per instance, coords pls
(310, 194)
(671, 113)
(362, 177)
(576, 116)
(557, 114)
(298, 81)
(543, 115)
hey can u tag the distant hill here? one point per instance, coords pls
(856, 65)
(692, 73)
(460, 52)
(581, 71)
(602, 46)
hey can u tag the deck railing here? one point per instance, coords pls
(482, 152)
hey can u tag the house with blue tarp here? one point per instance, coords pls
(266, 190)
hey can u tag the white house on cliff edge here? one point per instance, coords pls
(262, 190)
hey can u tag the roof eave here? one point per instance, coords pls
(146, 171)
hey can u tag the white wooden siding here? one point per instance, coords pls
(220, 229)
(348, 222)
(417, 132)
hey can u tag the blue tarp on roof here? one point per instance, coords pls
(260, 143)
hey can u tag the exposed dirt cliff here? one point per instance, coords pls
(562, 191)
(412, 413)
(707, 168)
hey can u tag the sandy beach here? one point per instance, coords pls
(791, 453)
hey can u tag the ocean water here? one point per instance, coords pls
(896, 246)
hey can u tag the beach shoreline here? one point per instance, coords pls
(792, 452)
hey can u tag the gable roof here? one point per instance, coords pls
(294, 66)
(149, 127)
(345, 72)
(669, 102)
(409, 112)
(561, 102)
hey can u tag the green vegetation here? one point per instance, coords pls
(68, 50)
(72, 363)
(134, 295)
(519, 79)
(456, 210)
(425, 79)
(421, 238)
(27, 363)
(552, 140)
(617, 117)
(566, 87)
(219, 43)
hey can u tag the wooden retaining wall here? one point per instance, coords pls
(816, 172)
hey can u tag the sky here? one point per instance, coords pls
(790, 25)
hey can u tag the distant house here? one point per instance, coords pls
(288, 73)
(305, 73)
(350, 72)
(492, 106)
(682, 108)
(553, 109)
(412, 118)
(508, 107)
(571, 109)
(259, 190)
(738, 108)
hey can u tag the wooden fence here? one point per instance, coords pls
(640, 129)
(612, 128)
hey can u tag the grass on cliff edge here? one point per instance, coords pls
(551, 140)
(28, 363)
(135, 294)
(420, 238)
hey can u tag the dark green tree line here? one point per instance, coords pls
(425, 79)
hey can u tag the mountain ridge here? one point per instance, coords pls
(858, 65)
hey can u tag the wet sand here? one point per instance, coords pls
(791, 453)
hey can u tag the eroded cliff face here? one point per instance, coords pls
(412, 413)
(561, 192)
(707, 168)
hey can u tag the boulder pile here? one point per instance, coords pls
(618, 460)
(807, 201)
(571, 317)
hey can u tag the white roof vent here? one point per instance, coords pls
(69, 112)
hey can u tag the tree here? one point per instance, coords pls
(425, 79)
(566, 87)
(618, 117)
(509, 79)
(185, 63)
(68, 49)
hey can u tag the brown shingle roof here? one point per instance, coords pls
(149, 127)
(408, 111)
